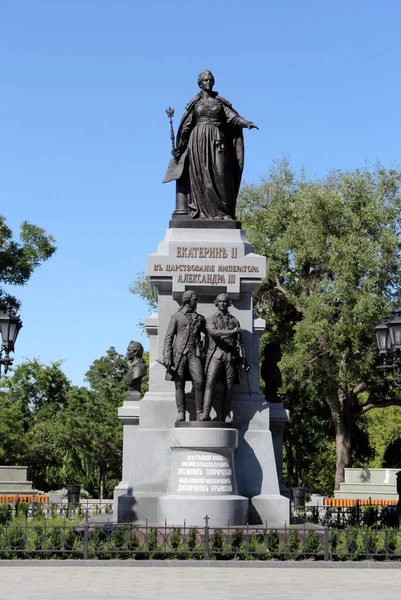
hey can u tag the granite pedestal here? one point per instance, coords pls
(209, 261)
(202, 479)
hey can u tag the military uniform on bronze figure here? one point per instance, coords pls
(137, 369)
(208, 154)
(225, 357)
(183, 353)
(270, 371)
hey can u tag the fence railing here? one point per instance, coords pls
(51, 510)
(358, 515)
(141, 542)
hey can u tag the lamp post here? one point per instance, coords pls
(10, 325)
(388, 337)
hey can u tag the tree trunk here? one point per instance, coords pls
(343, 449)
(289, 456)
(102, 477)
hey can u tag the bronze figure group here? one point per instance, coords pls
(206, 352)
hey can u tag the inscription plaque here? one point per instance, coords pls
(201, 265)
(205, 473)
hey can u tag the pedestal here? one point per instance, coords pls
(202, 479)
(129, 416)
(278, 419)
(209, 261)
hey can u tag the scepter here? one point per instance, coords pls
(170, 114)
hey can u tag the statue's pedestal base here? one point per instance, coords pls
(202, 479)
(209, 261)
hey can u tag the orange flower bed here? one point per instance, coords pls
(353, 501)
(11, 498)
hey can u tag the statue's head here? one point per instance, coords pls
(135, 349)
(189, 299)
(272, 351)
(206, 80)
(223, 302)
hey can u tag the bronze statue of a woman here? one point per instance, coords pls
(209, 154)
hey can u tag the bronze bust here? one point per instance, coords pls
(137, 369)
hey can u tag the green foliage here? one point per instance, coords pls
(293, 542)
(140, 287)
(6, 512)
(12, 429)
(333, 268)
(175, 538)
(312, 545)
(370, 515)
(217, 540)
(237, 539)
(383, 429)
(18, 260)
(23, 508)
(64, 433)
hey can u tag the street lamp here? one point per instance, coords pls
(10, 325)
(388, 337)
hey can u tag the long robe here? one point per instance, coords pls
(210, 136)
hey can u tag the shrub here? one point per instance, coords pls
(293, 542)
(370, 516)
(175, 538)
(237, 539)
(6, 513)
(312, 545)
(273, 541)
(217, 541)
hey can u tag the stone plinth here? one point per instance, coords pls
(278, 419)
(129, 416)
(202, 479)
(363, 483)
(13, 480)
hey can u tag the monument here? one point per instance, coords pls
(217, 457)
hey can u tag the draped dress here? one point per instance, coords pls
(211, 131)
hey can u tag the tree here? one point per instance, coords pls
(384, 431)
(18, 260)
(65, 433)
(12, 445)
(34, 396)
(141, 288)
(333, 268)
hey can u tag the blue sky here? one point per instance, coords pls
(84, 85)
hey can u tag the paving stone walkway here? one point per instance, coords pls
(194, 583)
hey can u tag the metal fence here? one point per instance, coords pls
(51, 510)
(357, 515)
(141, 542)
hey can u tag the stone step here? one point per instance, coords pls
(15, 487)
(365, 495)
(370, 476)
(373, 488)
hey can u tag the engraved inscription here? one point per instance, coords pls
(205, 473)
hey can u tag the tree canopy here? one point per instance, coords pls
(333, 269)
(18, 259)
(65, 433)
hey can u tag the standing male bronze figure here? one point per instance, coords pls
(270, 371)
(224, 357)
(183, 353)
